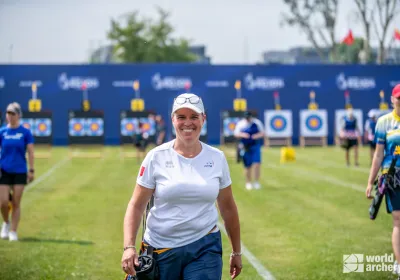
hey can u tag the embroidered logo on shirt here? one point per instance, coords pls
(169, 164)
(209, 164)
(142, 171)
(16, 136)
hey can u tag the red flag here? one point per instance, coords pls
(348, 40)
(397, 34)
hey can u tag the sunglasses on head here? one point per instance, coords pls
(182, 100)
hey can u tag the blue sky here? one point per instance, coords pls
(234, 31)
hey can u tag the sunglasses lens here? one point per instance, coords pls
(194, 99)
(180, 100)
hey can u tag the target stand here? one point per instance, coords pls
(278, 141)
(313, 141)
(40, 125)
(86, 134)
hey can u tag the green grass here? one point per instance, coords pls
(307, 215)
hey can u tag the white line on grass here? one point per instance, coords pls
(326, 162)
(322, 177)
(330, 163)
(47, 174)
(261, 270)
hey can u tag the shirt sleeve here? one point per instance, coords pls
(28, 137)
(238, 128)
(145, 176)
(260, 125)
(225, 179)
(380, 132)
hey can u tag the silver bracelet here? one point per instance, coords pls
(130, 246)
(234, 254)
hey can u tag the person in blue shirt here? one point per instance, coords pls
(250, 132)
(15, 142)
(387, 139)
(350, 136)
(369, 131)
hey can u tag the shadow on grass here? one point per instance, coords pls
(60, 241)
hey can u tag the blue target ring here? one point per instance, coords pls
(278, 123)
(314, 123)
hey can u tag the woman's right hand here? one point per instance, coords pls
(129, 259)
(368, 191)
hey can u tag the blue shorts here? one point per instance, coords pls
(252, 155)
(200, 260)
(393, 200)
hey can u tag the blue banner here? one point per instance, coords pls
(110, 90)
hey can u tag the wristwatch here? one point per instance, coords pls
(32, 170)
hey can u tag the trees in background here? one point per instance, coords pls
(377, 15)
(317, 19)
(138, 40)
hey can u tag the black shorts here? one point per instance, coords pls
(372, 144)
(142, 145)
(13, 178)
(349, 143)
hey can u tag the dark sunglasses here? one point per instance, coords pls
(11, 113)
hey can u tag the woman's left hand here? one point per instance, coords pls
(31, 177)
(235, 263)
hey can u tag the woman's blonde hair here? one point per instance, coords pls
(15, 107)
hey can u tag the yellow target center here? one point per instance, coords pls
(94, 126)
(77, 126)
(314, 122)
(42, 127)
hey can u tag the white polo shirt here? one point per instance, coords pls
(186, 190)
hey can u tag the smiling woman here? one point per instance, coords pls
(188, 118)
(186, 178)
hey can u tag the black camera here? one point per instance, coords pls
(147, 269)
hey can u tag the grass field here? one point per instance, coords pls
(307, 215)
